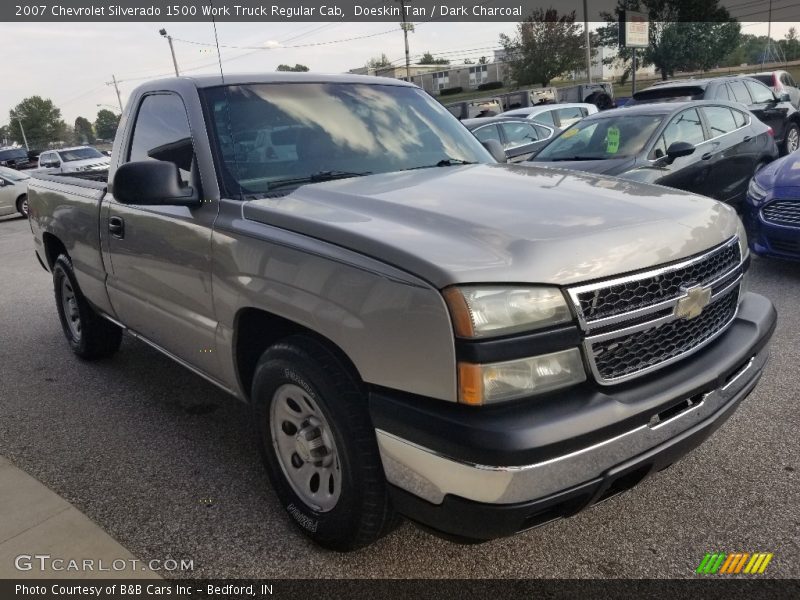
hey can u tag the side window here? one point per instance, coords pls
(486, 133)
(160, 123)
(545, 118)
(684, 127)
(759, 92)
(543, 132)
(721, 93)
(720, 120)
(740, 118)
(740, 92)
(569, 116)
(518, 134)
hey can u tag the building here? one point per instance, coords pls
(396, 71)
(434, 78)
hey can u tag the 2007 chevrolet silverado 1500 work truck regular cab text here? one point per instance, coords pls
(418, 330)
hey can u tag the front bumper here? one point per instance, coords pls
(561, 453)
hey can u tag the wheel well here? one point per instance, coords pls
(256, 330)
(53, 247)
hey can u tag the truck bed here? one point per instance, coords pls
(87, 179)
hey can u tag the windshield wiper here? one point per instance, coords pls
(317, 177)
(445, 162)
(574, 158)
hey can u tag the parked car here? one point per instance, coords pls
(72, 160)
(772, 210)
(520, 138)
(775, 111)
(15, 157)
(528, 97)
(601, 95)
(707, 147)
(780, 82)
(415, 328)
(557, 116)
(13, 192)
(485, 107)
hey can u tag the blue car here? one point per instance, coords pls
(772, 209)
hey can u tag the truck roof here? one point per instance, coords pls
(205, 81)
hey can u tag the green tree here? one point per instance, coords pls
(790, 44)
(84, 131)
(546, 45)
(297, 68)
(685, 35)
(378, 62)
(5, 135)
(429, 59)
(106, 124)
(41, 120)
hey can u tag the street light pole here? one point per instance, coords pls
(406, 26)
(116, 88)
(588, 43)
(163, 33)
(22, 129)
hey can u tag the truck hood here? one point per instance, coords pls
(503, 223)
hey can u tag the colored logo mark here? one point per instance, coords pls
(734, 564)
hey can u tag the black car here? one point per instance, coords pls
(14, 158)
(707, 147)
(519, 137)
(777, 112)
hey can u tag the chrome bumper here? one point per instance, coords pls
(431, 476)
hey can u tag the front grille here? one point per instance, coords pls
(632, 324)
(640, 351)
(636, 293)
(782, 212)
(781, 245)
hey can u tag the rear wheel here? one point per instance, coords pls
(319, 444)
(89, 335)
(22, 205)
(792, 139)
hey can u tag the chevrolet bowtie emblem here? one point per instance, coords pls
(696, 299)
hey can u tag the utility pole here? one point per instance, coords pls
(116, 88)
(163, 33)
(22, 129)
(406, 27)
(588, 46)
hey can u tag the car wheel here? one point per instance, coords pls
(319, 446)
(22, 205)
(792, 140)
(90, 336)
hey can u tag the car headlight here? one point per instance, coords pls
(486, 311)
(499, 382)
(755, 191)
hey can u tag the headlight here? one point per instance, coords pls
(497, 382)
(485, 311)
(756, 191)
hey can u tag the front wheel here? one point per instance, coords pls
(319, 444)
(22, 205)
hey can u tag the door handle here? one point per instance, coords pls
(116, 226)
(706, 156)
(747, 138)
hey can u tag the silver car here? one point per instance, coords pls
(13, 192)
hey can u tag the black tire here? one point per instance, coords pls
(96, 337)
(791, 139)
(22, 205)
(363, 512)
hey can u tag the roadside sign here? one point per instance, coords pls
(634, 29)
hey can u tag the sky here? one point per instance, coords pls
(71, 63)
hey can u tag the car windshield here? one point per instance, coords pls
(13, 154)
(310, 132)
(619, 136)
(80, 154)
(12, 175)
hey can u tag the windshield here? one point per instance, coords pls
(272, 136)
(13, 154)
(668, 94)
(80, 154)
(620, 136)
(12, 175)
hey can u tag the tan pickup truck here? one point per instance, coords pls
(417, 329)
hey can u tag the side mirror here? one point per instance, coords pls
(785, 97)
(678, 149)
(151, 182)
(495, 148)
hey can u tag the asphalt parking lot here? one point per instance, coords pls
(165, 463)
